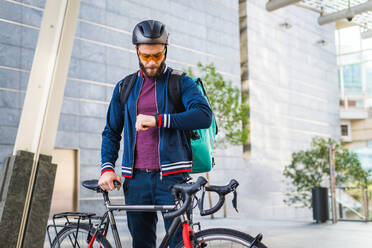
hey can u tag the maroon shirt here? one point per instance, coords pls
(146, 151)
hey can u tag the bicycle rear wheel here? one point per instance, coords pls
(222, 237)
(67, 237)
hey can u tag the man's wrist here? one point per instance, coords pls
(107, 170)
(156, 119)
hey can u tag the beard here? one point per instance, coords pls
(152, 74)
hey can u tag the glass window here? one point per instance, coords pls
(352, 79)
(365, 157)
(368, 72)
(344, 130)
(349, 39)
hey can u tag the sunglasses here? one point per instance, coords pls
(148, 57)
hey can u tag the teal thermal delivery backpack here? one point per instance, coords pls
(202, 140)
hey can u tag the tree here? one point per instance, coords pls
(225, 101)
(310, 169)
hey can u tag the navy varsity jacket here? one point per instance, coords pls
(174, 147)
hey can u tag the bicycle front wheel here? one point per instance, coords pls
(71, 236)
(222, 237)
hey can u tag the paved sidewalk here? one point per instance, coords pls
(279, 234)
(286, 234)
(302, 234)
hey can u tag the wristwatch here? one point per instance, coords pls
(156, 119)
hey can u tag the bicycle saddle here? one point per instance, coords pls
(92, 184)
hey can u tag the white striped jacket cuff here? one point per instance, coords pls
(165, 121)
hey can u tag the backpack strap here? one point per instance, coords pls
(174, 89)
(126, 86)
(199, 81)
(174, 93)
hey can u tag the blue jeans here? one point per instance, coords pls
(146, 188)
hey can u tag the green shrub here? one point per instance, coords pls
(310, 169)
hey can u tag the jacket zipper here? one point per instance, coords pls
(135, 136)
(157, 110)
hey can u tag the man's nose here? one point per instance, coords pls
(152, 62)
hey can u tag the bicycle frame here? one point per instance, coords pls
(143, 208)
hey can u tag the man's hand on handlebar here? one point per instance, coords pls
(106, 180)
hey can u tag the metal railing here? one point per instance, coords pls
(352, 204)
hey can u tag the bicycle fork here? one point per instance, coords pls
(186, 233)
(186, 230)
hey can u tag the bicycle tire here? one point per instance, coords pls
(223, 237)
(66, 237)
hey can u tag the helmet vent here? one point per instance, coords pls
(141, 28)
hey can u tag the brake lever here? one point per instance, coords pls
(201, 200)
(235, 201)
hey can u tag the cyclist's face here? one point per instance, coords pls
(151, 58)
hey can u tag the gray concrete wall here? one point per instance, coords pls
(19, 25)
(293, 97)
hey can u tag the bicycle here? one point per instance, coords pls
(90, 230)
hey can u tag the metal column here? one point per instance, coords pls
(333, 182)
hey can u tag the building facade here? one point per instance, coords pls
(355, 84)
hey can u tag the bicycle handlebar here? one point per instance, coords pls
(221, 191)
(188, 190)
(117, 183)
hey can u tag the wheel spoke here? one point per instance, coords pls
(69, 238)
(221, 237)
(74, 240)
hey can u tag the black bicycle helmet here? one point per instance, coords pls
(150, 32)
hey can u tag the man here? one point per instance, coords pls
(157, 150)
